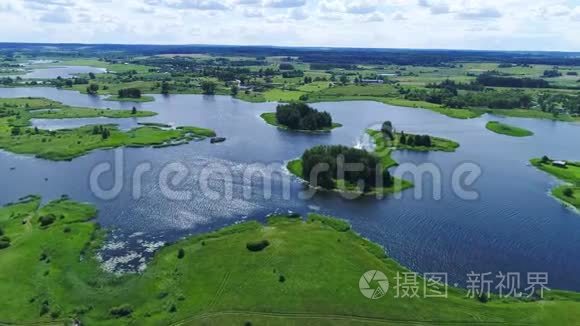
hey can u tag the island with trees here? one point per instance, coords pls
(566, 171)
(48, 261)
(299, 116)
(130, 95)
(388, 138)
(322, 167)
(17, 135)
(508, 130)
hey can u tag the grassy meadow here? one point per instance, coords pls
(307, 274)
(17, 136)
(508, 130)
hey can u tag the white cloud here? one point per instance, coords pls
(493, 24)
(285, 3)
(56, 16)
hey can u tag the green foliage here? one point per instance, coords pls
(129, 93)
(208, 87)
(46, 220)
(300, 116)
(121, 311)
(256, 246)
(321, 167)
(180, 253)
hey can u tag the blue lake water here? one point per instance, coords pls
(514, 226)
(63, 72)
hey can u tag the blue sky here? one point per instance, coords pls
(459, 24)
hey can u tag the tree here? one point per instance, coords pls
(569, 192)
(387, 129)
(165, 88)
(180, 253)
(134, 111)
(208, 87)
(15, 131)
(105, 133)
(403, 138)
(92, 75)
(93, 89)
(234, 90)
(343, 79)
(545, 159)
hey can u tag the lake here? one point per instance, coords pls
(514, 226)
(55, 72)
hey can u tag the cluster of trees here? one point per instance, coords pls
(293, 74)
(93, 89)
(300, 116)
(415, 140)
(104, 132)
(552, 73)
(411, 140)
(208, 87)
(130, 93)
(286, 66)
(505, 99)
(322, 166)
(453, 86)
(493, 80)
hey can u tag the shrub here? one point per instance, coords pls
(1, 231)
(180, 253)
(483, 298)
(46, 220)
(569, 192)
(121, 311)
(257, 246)
(282, 279)
(4, 244)
(44, 308)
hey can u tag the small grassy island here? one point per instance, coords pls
(387, 137)
(49, 274)
(17, 136)
(508, 130)
(566, 171)
(375, 177)
(297, 116)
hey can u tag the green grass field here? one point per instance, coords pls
(508, 130)
(571, 174)
(67, 144)
(307, 275)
